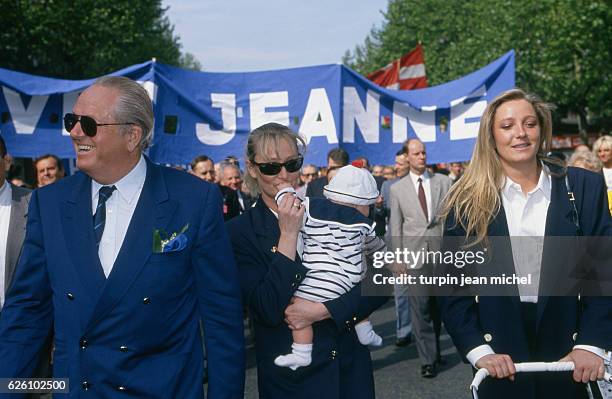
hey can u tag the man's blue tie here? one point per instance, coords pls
(100, 215)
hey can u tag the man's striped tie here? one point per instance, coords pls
(100, 216)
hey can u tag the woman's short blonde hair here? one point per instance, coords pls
(265, 141)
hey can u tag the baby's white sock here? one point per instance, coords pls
(301, 355)
(367, 336)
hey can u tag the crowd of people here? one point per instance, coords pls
(229, 175)
(125, 265)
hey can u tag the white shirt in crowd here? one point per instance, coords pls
(426, 187)
(5, 216)
(240, 200)
(608, 175)
(119, 210)
(526, 218)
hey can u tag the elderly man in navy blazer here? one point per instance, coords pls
(124, 259)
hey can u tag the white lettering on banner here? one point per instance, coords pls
(318, 119)
(68, 101)
(460, 112)
(367, 118)
(423, 122)
(227, 103)
(258, 103)
(24, 119)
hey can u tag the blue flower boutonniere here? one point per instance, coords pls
(164, 243)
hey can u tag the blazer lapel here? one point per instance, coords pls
(412, 195)
(559, 217)
(153, 211)
(558, 223)
(265, 225)
(77, 224)
(17, 224)
(436, 189)
(500, 236)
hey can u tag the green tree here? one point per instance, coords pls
(86, 38)
(189, 61)
(562, 47)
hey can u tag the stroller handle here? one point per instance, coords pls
(483, 373)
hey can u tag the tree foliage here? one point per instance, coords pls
(189, 61)
(86, 38)
(562, 47)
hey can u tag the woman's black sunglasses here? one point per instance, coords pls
(89, 126)
(274, 168)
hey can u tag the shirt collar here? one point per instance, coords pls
(544, 185)
(129, 185)
(415, 178)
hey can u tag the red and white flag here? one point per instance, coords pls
(407, 73)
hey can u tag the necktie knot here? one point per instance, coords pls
(420, 180)
(105, 192)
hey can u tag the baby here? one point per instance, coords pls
(335, 236)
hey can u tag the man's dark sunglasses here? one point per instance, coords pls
(89, 126)
(274, 168)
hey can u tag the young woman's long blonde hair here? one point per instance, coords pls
(475, 198)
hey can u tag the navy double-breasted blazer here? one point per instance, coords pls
(561, 321)
(341, 367)
(135, 334)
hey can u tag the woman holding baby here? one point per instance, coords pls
(265, 243)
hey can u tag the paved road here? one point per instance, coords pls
(397, 370)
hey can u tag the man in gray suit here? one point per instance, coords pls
(415, 202)
(13, 211)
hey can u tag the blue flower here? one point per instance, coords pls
(164, 243)
(178, 243)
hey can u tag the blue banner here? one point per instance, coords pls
(213, 113)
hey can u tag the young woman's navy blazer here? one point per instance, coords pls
(562, 321)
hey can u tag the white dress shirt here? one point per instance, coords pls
(119, 210)
(426, 181)
(5, 217)
(526, 218)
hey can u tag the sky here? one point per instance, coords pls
(255, 35)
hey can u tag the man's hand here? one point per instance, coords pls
(380, 201)
(498, 366)
(587, 365)
(397, 269)
(302, 313)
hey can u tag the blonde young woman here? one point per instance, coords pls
(603, 149)
(509, 190)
